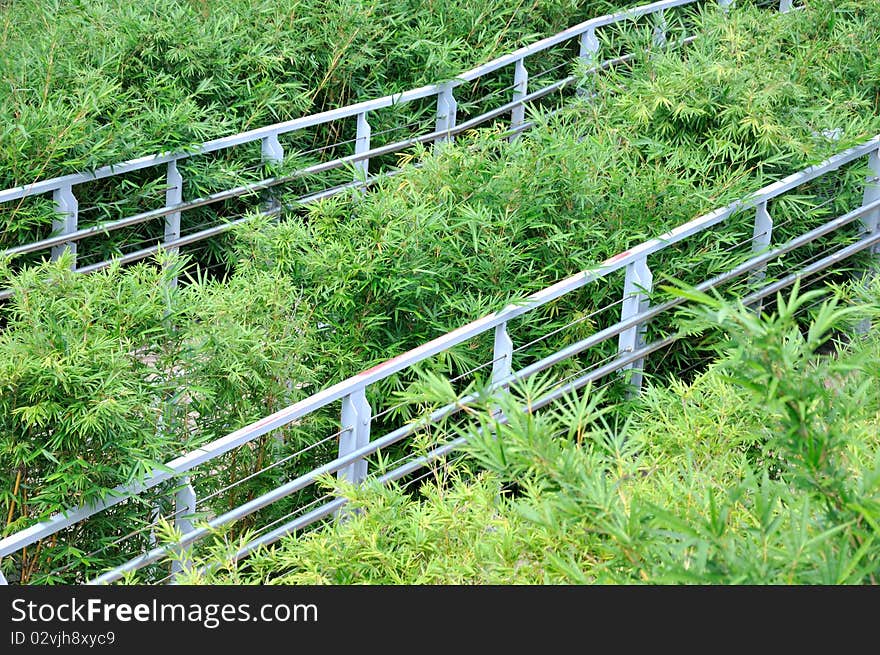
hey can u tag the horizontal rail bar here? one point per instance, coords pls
(385, 369)
(331, 115)
(254, 187)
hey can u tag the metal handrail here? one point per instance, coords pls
(66, 227)
(629, 356)
(331, 115)
(630, 260)
(356, 412)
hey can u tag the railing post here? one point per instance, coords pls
(502, 359)
(173, 196)
(502, 354)
(761, 238)
(184, 508)
(871, 224)
(520, 89)
(871, 220)
(784, 6)
(361, 145)
(356, 415)
(272, 152)
(658, 37)
(67, 208)
(589, 55)
(447, 107)
(637, 286)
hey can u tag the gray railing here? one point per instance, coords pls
(67, 229)
(356, 443)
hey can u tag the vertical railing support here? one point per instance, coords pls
(658, 36)
(272, 152)
(67, 208)
(520, 89)
(502, 359)
(361, 145)
(173, 196)
(356, 415)
(589, 55)
(637, 287)
(354, 434)
(184, 509)
(761, 238)
(871, 224)
(447, 108)
(871, 220)
(502, 354)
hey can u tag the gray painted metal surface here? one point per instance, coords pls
(355, 442)
(356, 412)
(65, 228)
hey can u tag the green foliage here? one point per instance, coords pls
(105, 377)
(315, 298)
(674, 494)
(90, 83)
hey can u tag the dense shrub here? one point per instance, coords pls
(765, 470)
(314, 299)
(88, 83)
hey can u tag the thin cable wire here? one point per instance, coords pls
(444, 466)
(573, 323)
(388, 130)
(477, 368)
(114, 204)
(298, 510)
(185, 510)
(592, 366)
(148, 526)
(750, 239)
(451, 381)
(273, 465)
(813, 280)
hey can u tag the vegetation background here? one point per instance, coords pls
(106, 376)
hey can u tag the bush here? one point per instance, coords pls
(765, 470)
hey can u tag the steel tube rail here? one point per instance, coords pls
(331, 115)
(255, 187)
(267, 183)
(385, 369)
